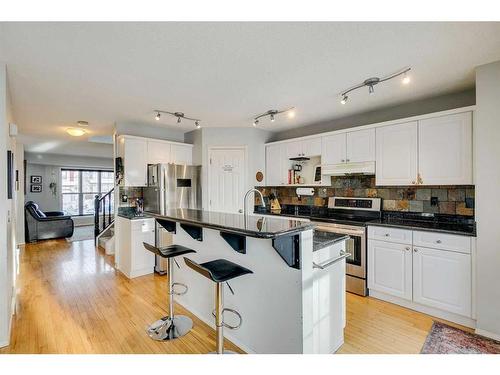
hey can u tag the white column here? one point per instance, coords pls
(487, 179)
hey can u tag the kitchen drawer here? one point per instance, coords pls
(435, 240)
(390, 234)
(146, 225)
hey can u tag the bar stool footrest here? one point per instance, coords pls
(238, 315)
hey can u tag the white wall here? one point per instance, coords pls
(487, 159)
(148, 131)
(7, 212)
(49, 167)
(205, 138)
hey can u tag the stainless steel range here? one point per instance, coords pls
(349, 216)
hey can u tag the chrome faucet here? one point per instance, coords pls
(245, 208)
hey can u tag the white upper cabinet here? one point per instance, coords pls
(135, 161)
(306, 147)
(311, 147)
(333, 149)
(351, 147)
(360, 146)
(158, 152)
(445, 150)
(181, 154)
(396, 154)
(276, 166)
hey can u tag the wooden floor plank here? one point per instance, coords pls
(71, 299)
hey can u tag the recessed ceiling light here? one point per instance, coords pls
(75, 132)
(83, 123)
(406, 79)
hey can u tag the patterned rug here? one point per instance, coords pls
(444, 339)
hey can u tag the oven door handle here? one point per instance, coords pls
(330, 262)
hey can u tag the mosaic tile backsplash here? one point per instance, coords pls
(453, 200)
(132, 193)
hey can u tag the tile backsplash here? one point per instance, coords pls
(454, 200)
(132, 194)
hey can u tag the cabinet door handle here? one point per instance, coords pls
(342, 160)
(347, 160)
(438, 241)
(415, 250)
(387, 234)
(407, 248)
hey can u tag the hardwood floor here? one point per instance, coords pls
(72, 300)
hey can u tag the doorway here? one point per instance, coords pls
(227, 169)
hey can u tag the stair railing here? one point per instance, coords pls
(103, 212)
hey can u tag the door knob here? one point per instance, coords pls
(415, 250)
(407, 248)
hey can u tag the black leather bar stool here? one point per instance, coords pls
(220, 271)
(171, 326)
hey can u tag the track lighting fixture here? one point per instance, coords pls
(371, 82)
(180, 116)
(272, 114)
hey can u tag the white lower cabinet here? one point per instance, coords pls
(436, 278)
(133, 259)
(390, 268)
(442, 279)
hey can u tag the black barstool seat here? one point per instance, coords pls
(219, 270)
(168, 251)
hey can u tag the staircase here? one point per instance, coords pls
(104, 219)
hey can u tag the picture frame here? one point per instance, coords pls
(10, 174)
(36, 188)
(36, 179)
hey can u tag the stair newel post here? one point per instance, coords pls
(96, 216)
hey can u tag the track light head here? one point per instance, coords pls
(255, 122)
(179, 120)
(406, 79)
(344, 99)
(197, 124)
(157, 117)
(272, 117)
(371, 90)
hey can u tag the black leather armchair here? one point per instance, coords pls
(46, 225)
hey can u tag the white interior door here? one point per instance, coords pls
(226, 179)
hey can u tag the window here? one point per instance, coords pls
(79, 188)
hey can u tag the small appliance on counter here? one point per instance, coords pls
(274, 203)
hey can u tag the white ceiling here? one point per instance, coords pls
(225, 73)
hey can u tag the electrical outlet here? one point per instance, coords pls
(434, 201)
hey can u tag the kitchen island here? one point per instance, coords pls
(294, 302)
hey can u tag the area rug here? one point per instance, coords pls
(444, 339)
(82, 233)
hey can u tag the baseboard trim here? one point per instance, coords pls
(488, 334)
(455, 318)
(4, 344)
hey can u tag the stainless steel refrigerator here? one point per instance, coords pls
(171, 186)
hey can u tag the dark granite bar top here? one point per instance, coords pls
(325, 239)
(252, 226)
(450, 224)
(129, 213)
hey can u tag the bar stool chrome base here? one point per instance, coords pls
(168, 329)
(224, 352)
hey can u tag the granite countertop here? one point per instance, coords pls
(252, 226)
(129, 213)
(451, 224)
(463, 229)
(325, 239)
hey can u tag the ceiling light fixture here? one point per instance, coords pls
(180, 116)
(82, 123)
(272, 115)
(75, 132)
(371, 82)
(406, 79)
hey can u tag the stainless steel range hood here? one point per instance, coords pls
(300, 158)
(346, 169)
